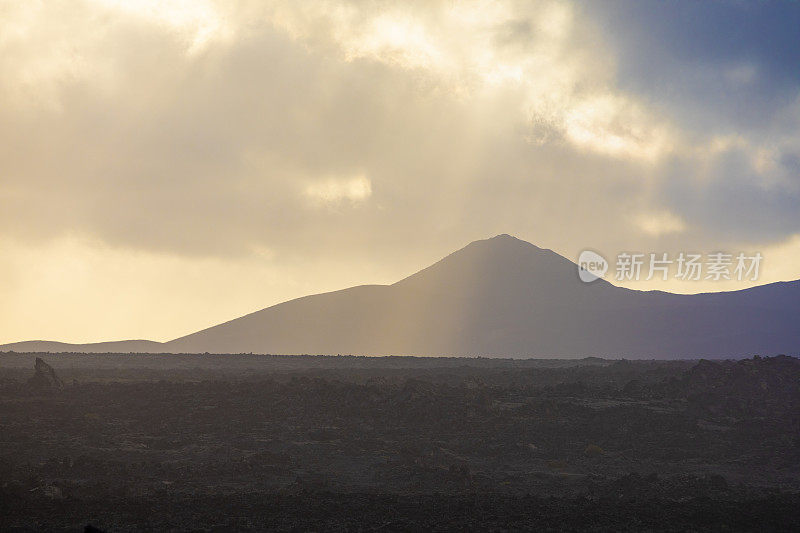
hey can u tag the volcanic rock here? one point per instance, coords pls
(45, 377)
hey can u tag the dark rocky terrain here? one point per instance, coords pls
(218, 443)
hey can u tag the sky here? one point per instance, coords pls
(166, 165)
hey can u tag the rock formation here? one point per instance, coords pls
(45, 377)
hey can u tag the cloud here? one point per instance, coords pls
(717, 66)
(390, 132)
(200, 22)
(659, 223)
(335, 190)
(191, 127)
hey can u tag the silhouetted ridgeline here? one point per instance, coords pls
(500, 297)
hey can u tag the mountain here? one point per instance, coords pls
(506, 297)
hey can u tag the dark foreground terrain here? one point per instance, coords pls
(219, 443)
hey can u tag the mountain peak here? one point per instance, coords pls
(508, 239)
(503, 262)
(505, 241)
(504, 236)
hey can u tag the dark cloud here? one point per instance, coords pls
(724, 65)
(731, 201)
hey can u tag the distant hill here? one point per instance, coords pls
(132, 346)
(506, 297)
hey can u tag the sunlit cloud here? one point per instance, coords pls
(199, 20)
(616, 127)
(472, 47)
(335, 190)
(659, 223)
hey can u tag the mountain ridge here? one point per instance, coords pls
(501, 296)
